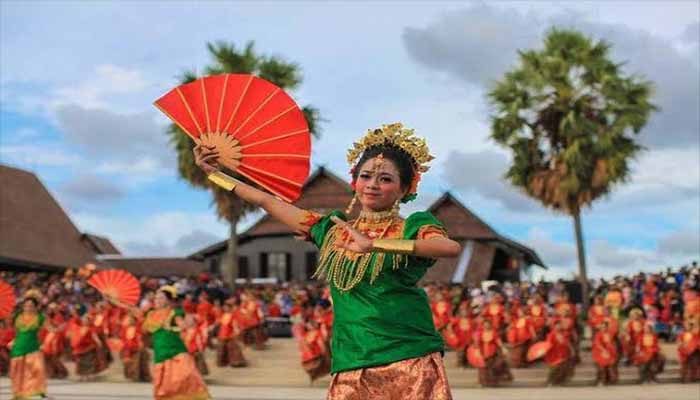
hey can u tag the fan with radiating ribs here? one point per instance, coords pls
(257, 129)
(475, 358)
(538, 350)
(117, 284)
(7, 299)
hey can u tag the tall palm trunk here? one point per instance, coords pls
(230, 263)
(583, 275)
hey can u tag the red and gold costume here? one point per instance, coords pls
(134, 355)
(561, 356)
(7, 333)
(84, 349)
(196, 345)
(315, 357)
(496, 368)
(605, 356)
(52, 346)
(229, 352)
(633, 331)
(252, 324)
(442, 314)
(648, 357)
(689, 355)
(520, 334)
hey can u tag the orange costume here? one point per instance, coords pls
(7, 333)
(648, 357)
(560, 357)
(689, 355)
(52, 347)
(84, 346)
(605, 356)
(442, 313)
(196, 345)
(520, 335)
(134, 356)
(495, 369)
(229, 352)
(315, 358)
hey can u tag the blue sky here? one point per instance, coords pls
(77, 80)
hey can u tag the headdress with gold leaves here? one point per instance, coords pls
(171, 290)
(33, 294)
(403, 138)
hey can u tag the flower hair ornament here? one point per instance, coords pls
(398, 136)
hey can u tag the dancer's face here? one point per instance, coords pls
(378, 185)
(161, 300)
(28, 306)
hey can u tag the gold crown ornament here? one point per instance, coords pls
(170, 290)
(403, 138)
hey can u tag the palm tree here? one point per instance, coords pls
(226, 58)
(570, 117)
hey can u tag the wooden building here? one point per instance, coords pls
(36, 234)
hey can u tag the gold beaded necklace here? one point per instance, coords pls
(344, 268)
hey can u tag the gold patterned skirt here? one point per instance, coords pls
(415, 378)
(28, 375)
(178, 379)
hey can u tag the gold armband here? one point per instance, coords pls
(223, 180)
(397, 246)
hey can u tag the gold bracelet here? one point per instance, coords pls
(223, 180)
(397, 246)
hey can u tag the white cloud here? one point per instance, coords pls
(37, 155)
(166, 233)
(685, 242)
(478, 44)
(607, 259)
(92, 93)
(92, 188)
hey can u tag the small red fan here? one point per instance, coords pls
(257, 129)
(475, 358)
(538, 350)
(118, 285)
(7, 299)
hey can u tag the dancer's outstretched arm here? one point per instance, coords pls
(290, 215)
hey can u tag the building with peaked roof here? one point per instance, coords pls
(486, 254)
(268, 248)
(35, 232)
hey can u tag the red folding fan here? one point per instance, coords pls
(538, 350)
(475, 358)
(257, 128)
(117, 284)
(7, 299)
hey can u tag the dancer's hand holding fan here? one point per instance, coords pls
(7, 299)
(249, 126)
(118, 286)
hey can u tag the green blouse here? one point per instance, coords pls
(27, 336)
(389, 319)
(165, 336)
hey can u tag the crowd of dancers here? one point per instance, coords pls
(492, 328)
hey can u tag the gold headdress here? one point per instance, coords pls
(403, 138)
(34, 294)
(171, 290)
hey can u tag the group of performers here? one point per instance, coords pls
(502, 331)
(34, 345)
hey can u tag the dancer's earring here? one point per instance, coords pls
(395, 208)
(348, 210)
